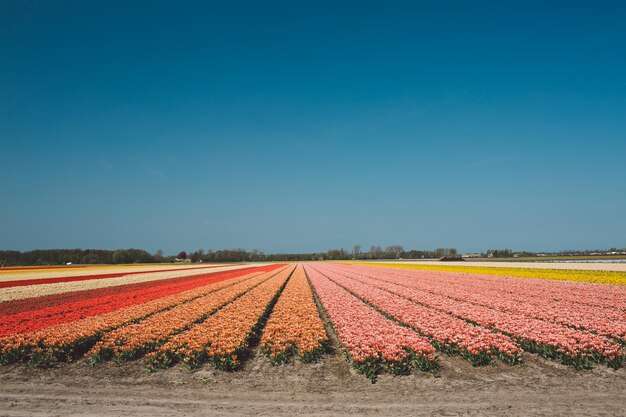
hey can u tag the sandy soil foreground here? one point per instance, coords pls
(328, 388)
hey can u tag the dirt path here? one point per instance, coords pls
(329, 387)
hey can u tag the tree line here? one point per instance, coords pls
(77, 256)
(127, 256)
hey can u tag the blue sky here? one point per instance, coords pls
(303, 126)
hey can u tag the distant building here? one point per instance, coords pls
(471, 255)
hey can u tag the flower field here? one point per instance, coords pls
(383, 320)
(224, 337)
(295, 327)
(369, 339)
(601, 277)
(70, 284)
(452, 335)
(547, 337)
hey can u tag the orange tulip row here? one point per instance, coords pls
(135, 339)
(224, 336)
(294, 327)
(66, 341)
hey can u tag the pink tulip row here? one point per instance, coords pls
(591, 295)
(478, 345)
(607, 322)
(369, 339)
(134, 339)
(224, 337)
(576, 347)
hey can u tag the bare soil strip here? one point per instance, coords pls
(328, 387)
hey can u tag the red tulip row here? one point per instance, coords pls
(575, 347)
(106, 300)
(449, 334)
(225, 336)
(294, 327)
(70, 340)
(370, 340)
(135, 339)
(185, 282)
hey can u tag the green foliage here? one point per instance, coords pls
(75, 256)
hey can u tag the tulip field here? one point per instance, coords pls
(381, 319)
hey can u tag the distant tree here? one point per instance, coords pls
(256, 255)
(336, 254)
(500, 253)
(356, 251)
(120, 256)
(197, 256)
(182, 255)
(393, 251)
(158, 256)
(376, 252)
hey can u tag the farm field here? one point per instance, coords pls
(296, 331)
(48, 272)
(598, 273)
(615, 266)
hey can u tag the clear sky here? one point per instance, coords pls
(303, 126)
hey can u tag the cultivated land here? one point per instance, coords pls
(579, 266)
(318, 338)
(328, 387)
(28, 273)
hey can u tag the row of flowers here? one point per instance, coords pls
(605, 321)
(449, 334)
(67, 341)
(66, 312)
(602, 296)
(563, 275)
(294, 327)
(370, 340)
(72, 278)
(135, 339)
(186, 282)
(31, 291)
(225, 336)
(574, 347)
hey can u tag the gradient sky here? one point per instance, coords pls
(302, 126)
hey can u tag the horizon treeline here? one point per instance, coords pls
(126, 256)
(129, 256)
